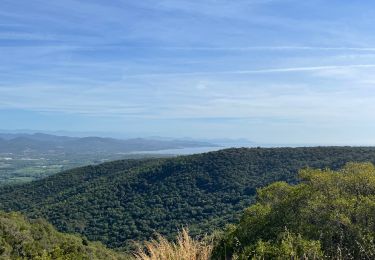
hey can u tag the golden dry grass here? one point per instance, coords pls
(185, 248)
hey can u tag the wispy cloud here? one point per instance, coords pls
(267, 48)
(260, 71)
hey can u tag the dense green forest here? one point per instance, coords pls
(21, 238)
(330, 214)
(127, 200)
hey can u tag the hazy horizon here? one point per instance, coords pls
(270, 71)
(224, 142)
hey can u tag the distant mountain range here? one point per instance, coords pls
(46, 143)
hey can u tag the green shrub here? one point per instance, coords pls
(329, 214)
(21, 238)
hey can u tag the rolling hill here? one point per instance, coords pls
(121, 201)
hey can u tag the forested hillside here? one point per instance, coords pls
(21, 238)
(128, 200)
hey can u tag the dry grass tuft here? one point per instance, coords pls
(185, 248)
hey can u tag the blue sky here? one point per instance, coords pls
(272, 71)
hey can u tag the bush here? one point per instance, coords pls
(21, 238)
(329, 214)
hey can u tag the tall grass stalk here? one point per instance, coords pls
(185, 248)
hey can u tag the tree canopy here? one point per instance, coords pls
(21, 238)
(328, 214)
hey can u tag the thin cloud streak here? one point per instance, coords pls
(257, 71)
(73, 47)
(270, 48)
